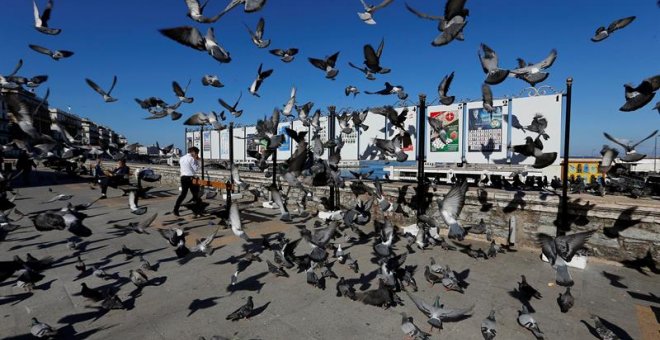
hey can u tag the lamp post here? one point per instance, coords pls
(567, 139)
(421, 154)
(655, 154)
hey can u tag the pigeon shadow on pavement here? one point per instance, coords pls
(15, 299)
(259, 310)
(198, 304)
(251, 284)
(650, 297)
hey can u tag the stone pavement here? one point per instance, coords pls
(193, 299)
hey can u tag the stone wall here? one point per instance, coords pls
(533, 213)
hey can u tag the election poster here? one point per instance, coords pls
(484, 130)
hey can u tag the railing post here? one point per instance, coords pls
(201, 149)
(565, 224)
(421, 155)
(331, 136)
(231, 154)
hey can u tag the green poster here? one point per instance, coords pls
(447, 140)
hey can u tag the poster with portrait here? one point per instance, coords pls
(448, 141)
(196, 139)
(206, 141)
(484, 130)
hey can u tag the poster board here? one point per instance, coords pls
(410, 125)
(523, 111)
(215, 144)
(349, 152)
(224, 144)
(239, 144)
(377, 129)
(449, 150)
(284, 151)
(486, 134)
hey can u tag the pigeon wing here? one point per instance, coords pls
(455, 199)
(185, 35)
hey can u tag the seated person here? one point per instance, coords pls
(117, 176)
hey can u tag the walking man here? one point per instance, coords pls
(189, 166)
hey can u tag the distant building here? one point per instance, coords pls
(68, 121)
(90, 132)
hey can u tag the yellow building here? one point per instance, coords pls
(587, 168)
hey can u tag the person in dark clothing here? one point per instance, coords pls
(25, 164)
(188, 166)
(117, 176)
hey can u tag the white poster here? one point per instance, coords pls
(323, 122)
(284, 151)
(523, 112)
(445, 146)
(377, 129)
(486, 133)
(215, 144)
(410, 126)
(224, 144)
(239, 144)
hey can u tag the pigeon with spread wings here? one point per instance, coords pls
(106, 95)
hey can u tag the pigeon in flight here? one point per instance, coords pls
(250, 6)
(443, 88)
(534, 148)
(327, 65)
(257, 35)
(181, 93)
(290, 104)
(372, 59)
(451, 24)
(41, 21)
(368, 74)
(487, 98)
(350, 89)
(55, 54)
(636, 97)
(256, 84)
(391, 89)
(285, 55)
(489, 63)
(631, 153)
(450, 208)
(106, 95)
(437, 312)
(539, 124)
(367, 16)
(560, 250)
(534, 73)
(191, 37)
(195, 12)
(212, 80)
(602, 33)
(201, 118)
(232, 109)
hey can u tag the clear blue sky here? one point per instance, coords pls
(120, 37)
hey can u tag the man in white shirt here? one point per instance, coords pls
(189, 166)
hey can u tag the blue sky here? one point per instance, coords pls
(121, 37)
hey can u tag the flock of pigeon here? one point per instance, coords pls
(307, 168)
